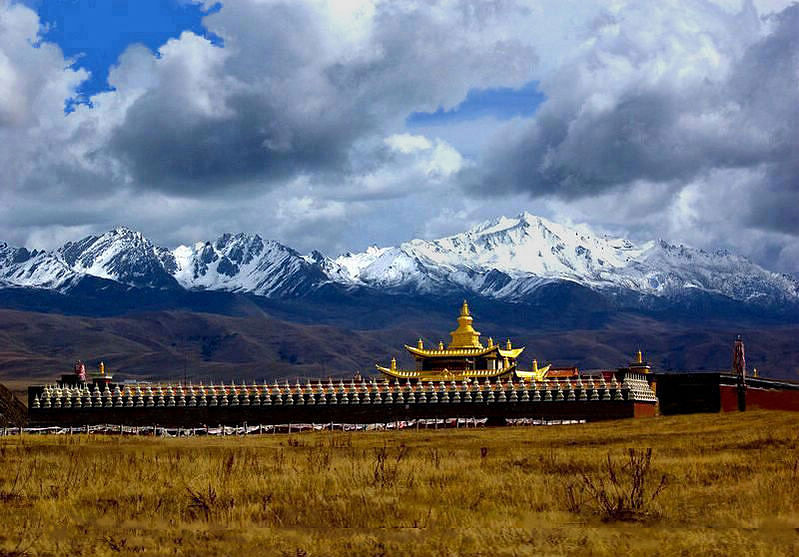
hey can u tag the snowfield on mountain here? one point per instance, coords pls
(505, 258)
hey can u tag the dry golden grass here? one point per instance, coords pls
(732, 487)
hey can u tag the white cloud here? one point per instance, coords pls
(681, 103)
(407, 143)
(658, 115)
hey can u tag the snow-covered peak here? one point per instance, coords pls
(245, 263)
(123, 255)
(510, 257)
(518, 247)
(35, 269)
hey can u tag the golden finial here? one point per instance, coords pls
(639, 357)
(535, 365)
(393, 364)
(755, 373)
(465, 336)
(441, 345)
(420, 344)
(490, 342)
(102, 368)
(508, 345)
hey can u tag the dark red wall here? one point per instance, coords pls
(763, 399)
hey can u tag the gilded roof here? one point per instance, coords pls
(436, 353)
(464, 352)
(446, 375)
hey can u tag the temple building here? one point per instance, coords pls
(465, 357)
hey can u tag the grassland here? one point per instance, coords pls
(716, 485)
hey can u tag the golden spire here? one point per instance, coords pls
(440, 345)
(639, 357)
(393, 364)
(102, 368)
(465, 336)
(420, 344)
(535, 365)
(508, 345)
(490, 342)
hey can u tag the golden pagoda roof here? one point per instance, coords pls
(446, 374)
(469, 351)
(510, 353)
(446, 352)
(465, 344)
(537, 373)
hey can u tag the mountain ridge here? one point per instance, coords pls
(505, 258)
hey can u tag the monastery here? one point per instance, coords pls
(465, 380)
(464, 358)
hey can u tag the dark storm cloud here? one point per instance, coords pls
(645, 114)
(257, 119)
(281, 100)
(188, 153)
(767, 81)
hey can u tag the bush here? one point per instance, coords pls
(620, 491)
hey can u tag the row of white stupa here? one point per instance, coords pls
(633, 387)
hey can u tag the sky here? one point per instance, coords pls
(334, 125)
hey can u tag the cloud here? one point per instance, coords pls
(675, 119)
(678, 96)
(285, 96)
(646, 97)
(32, 77)
(297, 91)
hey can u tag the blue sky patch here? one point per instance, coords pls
(501, 103)
(96, 32)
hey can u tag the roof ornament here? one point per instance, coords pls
(465, 336)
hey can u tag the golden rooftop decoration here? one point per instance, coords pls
(536, 374)
(465, 336)
(639, 363)
(464, 358)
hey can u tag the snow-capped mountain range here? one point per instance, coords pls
(505, 258)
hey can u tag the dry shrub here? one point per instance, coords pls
(207, 504)
(620, 492)
(386, 466)
(31, 531)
